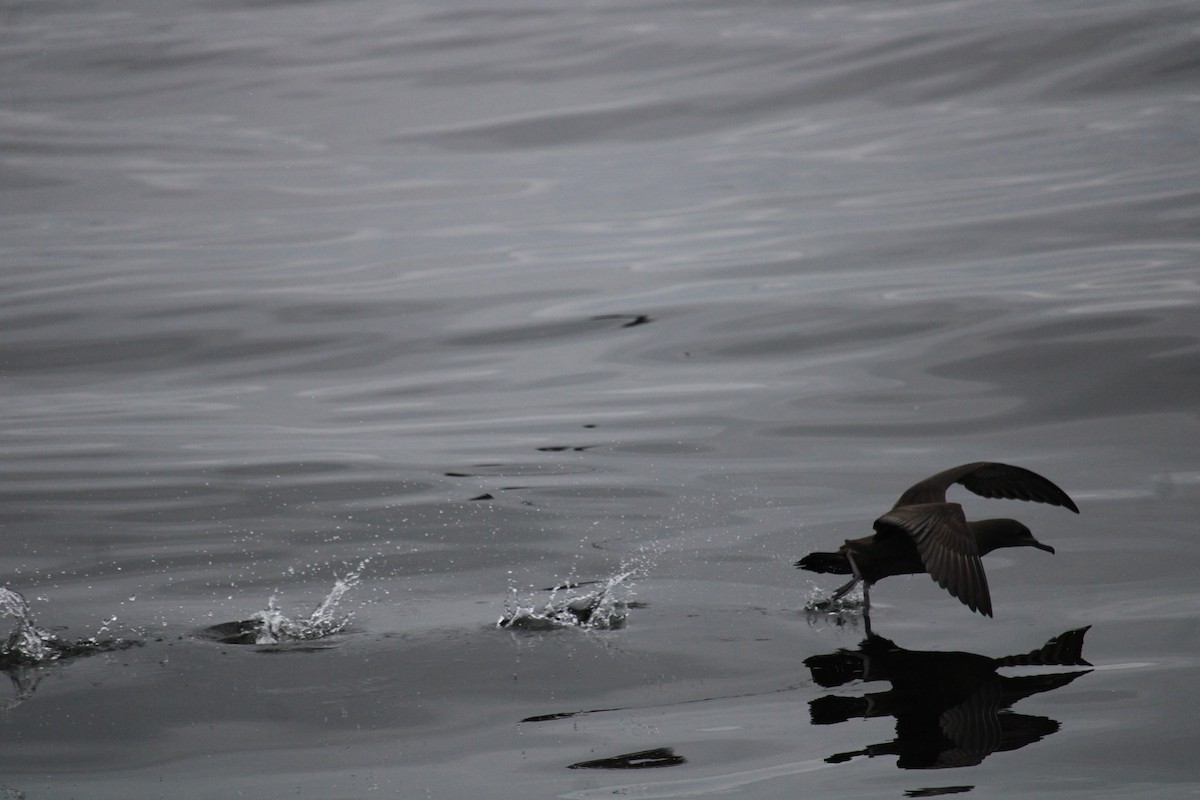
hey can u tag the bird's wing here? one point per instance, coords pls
(988, 479)
(933, 489)
(947, 549)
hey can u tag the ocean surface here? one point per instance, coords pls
(335, 332)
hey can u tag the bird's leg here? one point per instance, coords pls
(845, 589)
(853, 582)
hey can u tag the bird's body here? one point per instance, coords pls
(925, 533)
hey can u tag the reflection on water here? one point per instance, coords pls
(642, 759)
(951, 708)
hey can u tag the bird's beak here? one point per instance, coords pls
(1040, 546)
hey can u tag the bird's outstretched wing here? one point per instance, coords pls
(947, 549)
(988, 479)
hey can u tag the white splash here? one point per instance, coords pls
(275, 627)
(27, 644)
(593, 605)
(823, 610)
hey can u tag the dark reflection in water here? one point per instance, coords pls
(951, 709)
(630, 320)
(937, 791)
(643, 759)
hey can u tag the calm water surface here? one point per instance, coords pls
(472, 299)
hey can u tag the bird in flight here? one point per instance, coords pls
(925, 533)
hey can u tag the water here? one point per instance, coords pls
(495, 298)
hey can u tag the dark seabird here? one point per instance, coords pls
(924, 533)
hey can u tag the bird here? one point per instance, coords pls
(925, 533)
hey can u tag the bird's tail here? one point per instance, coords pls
(834, 563)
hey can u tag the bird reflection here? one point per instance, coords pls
(951, 709)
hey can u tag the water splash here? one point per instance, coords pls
(272, 626)
(593, 605)
(822, 610)
(28, 645)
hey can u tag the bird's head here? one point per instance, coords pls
(992, 534)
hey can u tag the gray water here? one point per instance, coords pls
(471, 300)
